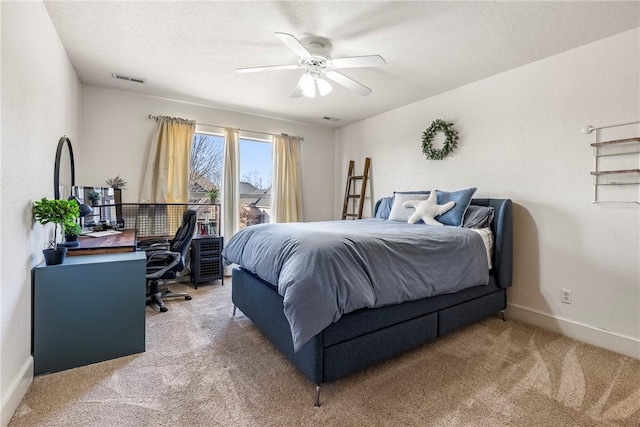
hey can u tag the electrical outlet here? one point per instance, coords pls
(565, 296)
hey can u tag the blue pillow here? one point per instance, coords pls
(478, 217)
(456, 214)
(383, 208)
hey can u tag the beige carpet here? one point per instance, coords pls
(204, 367)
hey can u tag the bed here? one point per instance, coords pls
(361, 337)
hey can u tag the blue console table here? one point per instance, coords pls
(87, 310)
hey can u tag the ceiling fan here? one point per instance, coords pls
(318, 63)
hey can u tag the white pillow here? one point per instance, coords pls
(399, 212)
(428, 210)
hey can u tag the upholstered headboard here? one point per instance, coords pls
(502, 227)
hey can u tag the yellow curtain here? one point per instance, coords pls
(167, 175)
(166, 179)
(286, 199)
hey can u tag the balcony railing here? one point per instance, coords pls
(158, 219)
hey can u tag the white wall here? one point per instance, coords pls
(520, 138)
(116, 135)
(40, 103)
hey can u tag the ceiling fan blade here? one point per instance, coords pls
(294, 45)
(269, 68)
(297, 92)
(359, 61)
(348, 82)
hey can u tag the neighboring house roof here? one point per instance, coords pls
(250, 195)
(201, 184)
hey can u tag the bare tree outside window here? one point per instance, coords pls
(205, 175)
(256, 179)
(205, 180)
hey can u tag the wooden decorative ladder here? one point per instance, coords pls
(349, 193)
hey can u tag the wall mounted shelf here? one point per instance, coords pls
(625, 149)
(616, 147)
(619, 177)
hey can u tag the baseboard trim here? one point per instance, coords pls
(16, 392)
(623, 344)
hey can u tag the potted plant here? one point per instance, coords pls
(213, 194)
(57, 212)
(94, 196)
(117, 182)
(71, 232)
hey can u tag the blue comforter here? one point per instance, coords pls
(326, 269)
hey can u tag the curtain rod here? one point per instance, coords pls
(151, 116)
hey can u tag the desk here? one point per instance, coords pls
(89, 309)
(115, 243)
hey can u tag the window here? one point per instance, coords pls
(206, 173)
(255, 181)
(205, 180)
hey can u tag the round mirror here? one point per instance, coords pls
(64, 170)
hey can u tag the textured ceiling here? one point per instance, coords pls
(189, 50)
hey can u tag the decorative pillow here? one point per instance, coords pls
(462, 198)
(383, 208)
(399, 212)
(427, 210)
(478, 217)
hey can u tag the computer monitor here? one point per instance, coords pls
(106, 203)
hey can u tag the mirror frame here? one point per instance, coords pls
(56, 168)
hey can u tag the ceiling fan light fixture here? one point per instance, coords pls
(323, 86)
(319, 65)
(313, 84)
(308, 86)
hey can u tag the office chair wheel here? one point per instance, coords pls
(187, 298)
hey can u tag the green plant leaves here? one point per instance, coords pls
(55, 211)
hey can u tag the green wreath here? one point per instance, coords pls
(450, 142)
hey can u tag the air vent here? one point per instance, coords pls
(128, 78)
(331, 119)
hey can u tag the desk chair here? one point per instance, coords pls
(166, 259)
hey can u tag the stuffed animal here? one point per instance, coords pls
(427, 210)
